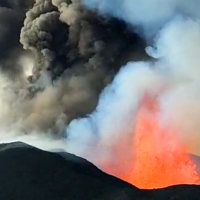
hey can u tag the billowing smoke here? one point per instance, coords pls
(63, 64)
(64, 33)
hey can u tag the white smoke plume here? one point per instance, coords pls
(180, 51)
(105, 133)
(148, 16)
(174, 76)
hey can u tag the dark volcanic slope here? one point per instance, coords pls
(30, 174)
(27, 173)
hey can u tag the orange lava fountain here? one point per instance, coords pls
(159, 159)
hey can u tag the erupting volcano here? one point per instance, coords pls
(160, 160)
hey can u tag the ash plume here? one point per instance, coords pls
(36, 35)
(61, 33)
(64, 66)
(12, 14)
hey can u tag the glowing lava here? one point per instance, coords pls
(159, 159)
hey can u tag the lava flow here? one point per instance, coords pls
(159, 160)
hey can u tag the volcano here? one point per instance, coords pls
(28, 173)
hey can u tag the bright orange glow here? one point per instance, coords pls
(159, 159)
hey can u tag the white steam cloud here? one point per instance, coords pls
(148, 16)
(174, 76)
